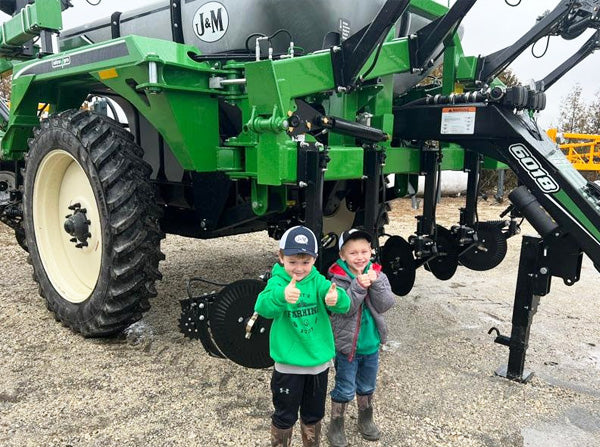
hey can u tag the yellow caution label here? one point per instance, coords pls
(108, 74)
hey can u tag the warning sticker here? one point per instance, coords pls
(458, 121)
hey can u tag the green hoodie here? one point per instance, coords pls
(301, 333)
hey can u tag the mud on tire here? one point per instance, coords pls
(91, 222)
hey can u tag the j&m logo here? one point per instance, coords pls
(211, 21)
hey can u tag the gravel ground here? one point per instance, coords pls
(153, 387)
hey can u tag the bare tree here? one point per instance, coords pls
(574, 113)
(593, 122)
(509, 78)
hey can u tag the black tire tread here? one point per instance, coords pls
(131, 215)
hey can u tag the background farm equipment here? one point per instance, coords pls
(219, 129)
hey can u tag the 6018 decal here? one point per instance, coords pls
(531, 165)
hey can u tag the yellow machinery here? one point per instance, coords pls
(582, 150)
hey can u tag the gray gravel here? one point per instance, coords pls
(153, 387)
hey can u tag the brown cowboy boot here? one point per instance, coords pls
(281, 437)
(366, 426)
(335, 432)
(311, 434)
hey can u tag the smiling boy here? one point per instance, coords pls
(297, 298)
(358, 334)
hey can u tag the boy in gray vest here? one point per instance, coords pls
(358, 334)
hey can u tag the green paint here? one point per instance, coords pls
(576, 212)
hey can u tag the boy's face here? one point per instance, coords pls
(297, 265)
(357, 254)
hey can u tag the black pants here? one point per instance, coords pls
(293, 392)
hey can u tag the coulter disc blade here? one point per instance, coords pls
(398, 264)
(229, 316)
(444, 265)
(490, 249)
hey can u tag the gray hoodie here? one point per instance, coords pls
(378, 298)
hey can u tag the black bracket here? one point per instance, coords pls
(374, 161)
(176, 23)
(194, 321)
(539, 261)
(349, 58)
(312, 164)
(115, 25)
(432, 35)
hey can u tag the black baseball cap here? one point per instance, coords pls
(353, 233)
(298, 240)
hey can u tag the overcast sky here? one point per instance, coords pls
(490, 25)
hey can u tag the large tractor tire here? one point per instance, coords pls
(91, 223)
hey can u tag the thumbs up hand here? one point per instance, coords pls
(372, 274)
(332, 295)
(292, 293)
(364, 280)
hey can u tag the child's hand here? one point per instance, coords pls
(372, 274)
(292, 293)
(364, 281)
(332, 295)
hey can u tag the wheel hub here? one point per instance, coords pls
(78, 226)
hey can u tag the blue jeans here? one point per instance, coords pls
(356, 377)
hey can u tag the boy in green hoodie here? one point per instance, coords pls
(297, 298)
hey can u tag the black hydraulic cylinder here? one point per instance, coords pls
(352, 129)
(531, 209)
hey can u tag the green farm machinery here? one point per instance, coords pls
(213, 118)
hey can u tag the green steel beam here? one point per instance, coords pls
(27, 24)
(427, 8)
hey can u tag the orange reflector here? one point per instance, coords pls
(108, 74)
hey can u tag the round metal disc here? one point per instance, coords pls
(8, 181)
(228, 318)
(489, 250)
(444, 265)
(398, 264)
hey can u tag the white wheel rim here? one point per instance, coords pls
(61, 182)
(340, 221)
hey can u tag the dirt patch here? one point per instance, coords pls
(437, 387)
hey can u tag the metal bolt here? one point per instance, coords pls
(262, 330)
(240, 319)
(201, 306)
(201, 317)
(302, 184)
(544, 270)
